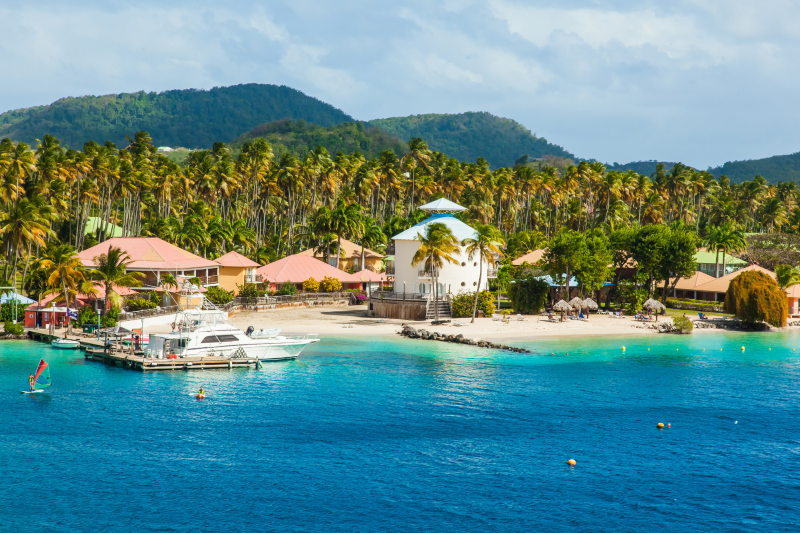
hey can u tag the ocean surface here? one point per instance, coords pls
(390, 434)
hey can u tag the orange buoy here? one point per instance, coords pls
(660, 425)
(571, 462)
(669, 425)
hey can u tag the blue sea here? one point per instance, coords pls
(390, 434)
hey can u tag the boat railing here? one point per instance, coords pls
(145, 313)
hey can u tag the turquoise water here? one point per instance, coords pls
(392, 434)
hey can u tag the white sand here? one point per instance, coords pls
(331, 320)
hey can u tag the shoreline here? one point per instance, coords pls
(337, 321)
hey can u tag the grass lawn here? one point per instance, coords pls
(694, 314)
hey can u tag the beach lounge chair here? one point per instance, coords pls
(349, 326)
(497, 317)
(458, 323)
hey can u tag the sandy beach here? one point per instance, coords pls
(332, 320)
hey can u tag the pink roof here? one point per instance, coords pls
(298, 268)
(101, 293)
(235, 259)
(369, 275)
(148, 253)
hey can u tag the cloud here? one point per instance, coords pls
(691, 80)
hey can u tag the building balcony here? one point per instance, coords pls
(491, 272)
(390, 270)
(425, 273)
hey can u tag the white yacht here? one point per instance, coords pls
(205, 330)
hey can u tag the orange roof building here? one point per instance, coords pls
(153, 256)
(299, 267)
(530, 257)
(351, 257)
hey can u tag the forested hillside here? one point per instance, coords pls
(300, 137)
(190, 118)
(646, 168)
(468, 136)
(774, 169)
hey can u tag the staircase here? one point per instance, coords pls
(444, 309)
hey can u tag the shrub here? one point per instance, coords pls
(139, 303)
(7, 311)
(249, 290)
(330, 284)
(86, 316)
(755, 297)
(219, 296)
(14, 329)
(361, 298)
(287, 289)
(311, 285)
(528, 294)
(682, 324)
(195, 281)
(506, 312)
(463, 302)
(109, 320)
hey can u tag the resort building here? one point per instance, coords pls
(413, 293)
(530, 257)
(452, 278)
(52, 308)
(707, 263)
(687, 287)
(235, 269)
(349, 257)
(154, 257)
(298, 268)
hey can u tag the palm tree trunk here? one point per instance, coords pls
(478, 288)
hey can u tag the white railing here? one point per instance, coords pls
(426, 273)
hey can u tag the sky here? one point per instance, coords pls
(701, 82)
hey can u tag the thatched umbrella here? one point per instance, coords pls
(562, 306)
(653, 305)
(576, 303)
(590, 304)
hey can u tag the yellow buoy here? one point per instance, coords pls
(623, 348)
(742, 348)
(704, 349)
(648, 349)
(571, 462)
(660, 425)
(676, 349)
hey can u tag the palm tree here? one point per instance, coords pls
(787, 276)
(436, 247)
(486, 245)
(112, 271)
(20, 226)
(65, 272)
(371, 235)
(344, 219)
(730, 241)
(418, 154)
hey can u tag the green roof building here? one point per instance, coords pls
(707, 262)
(95, 223)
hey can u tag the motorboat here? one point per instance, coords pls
(262, 333)
(65, 344)
(205, 330)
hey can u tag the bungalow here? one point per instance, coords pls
(154, 257)
(687, 287)
(41, 315)
(298, 268)
(235, 269)
(707, 263)
(350, 257)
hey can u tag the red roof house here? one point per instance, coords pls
(298, 268)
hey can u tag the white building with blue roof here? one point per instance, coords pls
(453, 278)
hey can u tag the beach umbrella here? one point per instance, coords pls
(588, 303)
(576, 303)
(562, 306)
(652, 305)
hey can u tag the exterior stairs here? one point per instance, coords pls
(445, 310)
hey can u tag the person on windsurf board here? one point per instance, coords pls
(40, 380)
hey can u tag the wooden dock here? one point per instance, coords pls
(94, 350)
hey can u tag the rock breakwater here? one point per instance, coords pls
(413, 333)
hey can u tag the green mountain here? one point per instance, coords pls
(468, 136)
(774, 169)
(299, 137)
(190, 118)
(646, 168)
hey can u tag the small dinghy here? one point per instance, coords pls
(65, 344)
(264, 333)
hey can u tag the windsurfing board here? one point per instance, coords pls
(31, 391)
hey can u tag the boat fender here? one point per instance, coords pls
(250, 330)
(173, 326)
